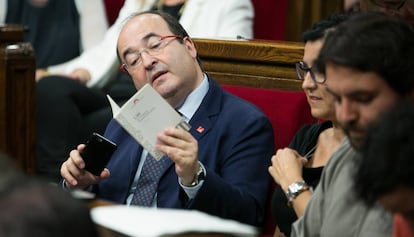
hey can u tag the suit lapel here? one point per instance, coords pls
(210, 107)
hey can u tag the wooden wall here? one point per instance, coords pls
(302, 14)
(252, 63)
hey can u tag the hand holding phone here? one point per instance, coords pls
(97, 153)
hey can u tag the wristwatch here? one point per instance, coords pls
(295, 189)
(198, 176)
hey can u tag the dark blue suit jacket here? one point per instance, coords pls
(235, 146)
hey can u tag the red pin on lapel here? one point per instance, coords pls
(200, 129)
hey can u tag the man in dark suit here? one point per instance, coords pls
(219, 166)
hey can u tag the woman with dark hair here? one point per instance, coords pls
(315, 143)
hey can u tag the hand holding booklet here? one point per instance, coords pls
(145, 115)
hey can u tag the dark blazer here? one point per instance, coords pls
(235, 142)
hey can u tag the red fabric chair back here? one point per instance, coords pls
(287, 112)
(270, 19)
(112, 9)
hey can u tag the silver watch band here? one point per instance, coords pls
(295, 189)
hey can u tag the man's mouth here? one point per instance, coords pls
(157, 75)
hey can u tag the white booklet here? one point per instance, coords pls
(145, 115)
(155, 222)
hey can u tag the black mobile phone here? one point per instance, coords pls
(97, 153)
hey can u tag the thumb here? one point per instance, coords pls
(105, 174)
(303, 160)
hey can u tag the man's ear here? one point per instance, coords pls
(123, 70)
(189, 44)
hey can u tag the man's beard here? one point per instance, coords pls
(356, 142)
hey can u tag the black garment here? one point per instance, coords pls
(63, 107)
(174, 11)
(305, 139)
(67, 113)
(53, 29)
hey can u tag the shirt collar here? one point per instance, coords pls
(194, 99)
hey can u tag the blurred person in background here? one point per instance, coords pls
(32, 207)
(59, 30)
(385, 174)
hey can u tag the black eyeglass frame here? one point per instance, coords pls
(396, 5)
(303, 67)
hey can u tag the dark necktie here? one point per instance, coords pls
(148, 180)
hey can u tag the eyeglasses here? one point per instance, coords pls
(390, 4)
(302, 68)
(133, 60)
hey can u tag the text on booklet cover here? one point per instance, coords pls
(145, 115)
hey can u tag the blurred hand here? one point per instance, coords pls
(287, 167)
(75, 175)
(81, 75)
(278, 233)
(40, 73)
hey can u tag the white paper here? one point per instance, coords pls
(82, 194)
(145, 115)
(150, 222)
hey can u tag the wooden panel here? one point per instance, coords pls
(302, 14)
(17, 97)
(11, 33)
(255, 63)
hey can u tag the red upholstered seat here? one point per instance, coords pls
(112, 9)
(287, 111)
(270, 19)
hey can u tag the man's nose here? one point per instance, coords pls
(345, 111)
(147, 59)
